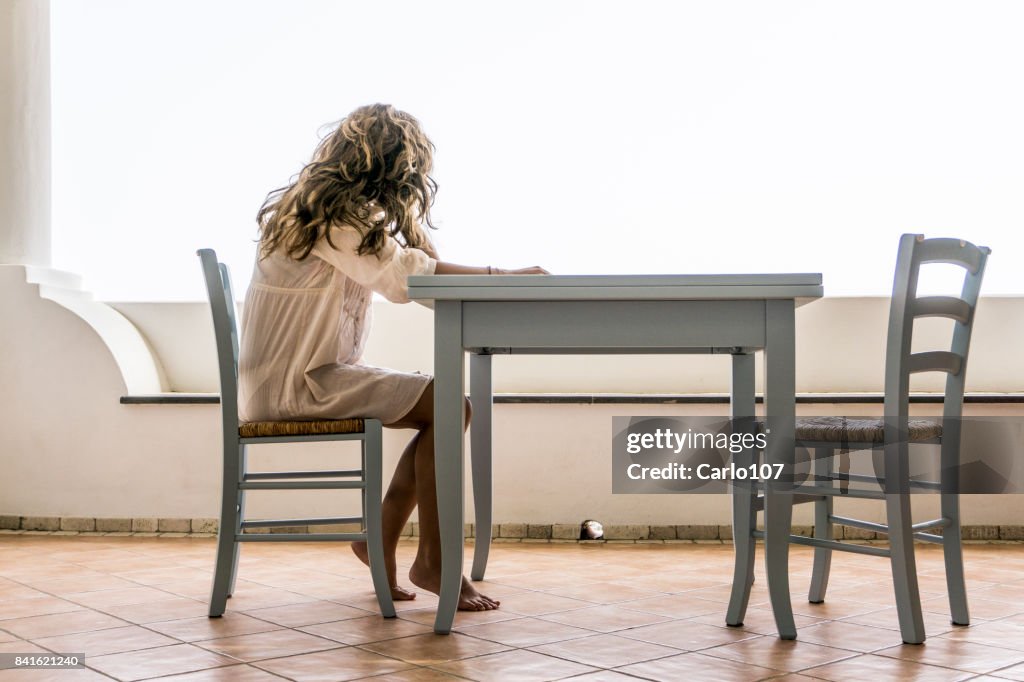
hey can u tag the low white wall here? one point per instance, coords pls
(840, 349)
(68, 448)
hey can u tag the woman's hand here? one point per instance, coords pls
(445, 268)
(532, 270)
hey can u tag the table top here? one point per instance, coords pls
(802, 287)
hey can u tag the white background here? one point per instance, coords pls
(588, 137)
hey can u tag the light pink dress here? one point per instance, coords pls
(304, 327)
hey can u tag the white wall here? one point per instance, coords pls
(68, 448)
(840, 349)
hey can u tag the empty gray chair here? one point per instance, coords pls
(237, 480)
(889, 438)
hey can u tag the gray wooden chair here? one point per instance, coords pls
(887, 441)
(237, 480)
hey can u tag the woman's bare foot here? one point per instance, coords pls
(398, 593)
(469, 599)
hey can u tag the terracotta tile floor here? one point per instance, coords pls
(136, 607)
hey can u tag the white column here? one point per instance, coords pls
(25, 132)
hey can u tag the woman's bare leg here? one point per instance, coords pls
(426, 568)
(396, 509)
(417, 467)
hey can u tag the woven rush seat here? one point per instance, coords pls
(300, 428)
(845, 430)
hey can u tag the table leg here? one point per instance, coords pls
(780, 408)
(482, 398)
(744, 515)
(448, 454)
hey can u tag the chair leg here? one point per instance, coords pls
(952, 535)
(744, 519)
(243, 463)
(373, 480)
(744, 513)
(956, 585)
(230, 517)
(822, 530)
(780, 409)
(778, 523)
(480, 454)
(904, 567)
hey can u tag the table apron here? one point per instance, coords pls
(641, 325)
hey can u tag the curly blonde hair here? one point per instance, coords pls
(376, 154)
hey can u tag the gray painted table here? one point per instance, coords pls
(605, 314)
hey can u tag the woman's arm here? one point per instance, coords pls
(444, 268)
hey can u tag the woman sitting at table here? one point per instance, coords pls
(349, 225)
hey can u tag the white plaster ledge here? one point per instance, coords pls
(140, 369)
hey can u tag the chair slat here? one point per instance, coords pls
(942, 306)
(301, 485)
(839, 546)
(299, 537)
(280, 475)
(864, 478)
(935, 361)
(952, 251)
(859, 523)
(836, 492)
(831, 544)
(278, 523)
(934, 523)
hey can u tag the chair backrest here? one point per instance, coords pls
(900, 362)
(225, 330)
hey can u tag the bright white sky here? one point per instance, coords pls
(587, 137)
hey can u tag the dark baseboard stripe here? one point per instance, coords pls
(621, 399)
(172, 399)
